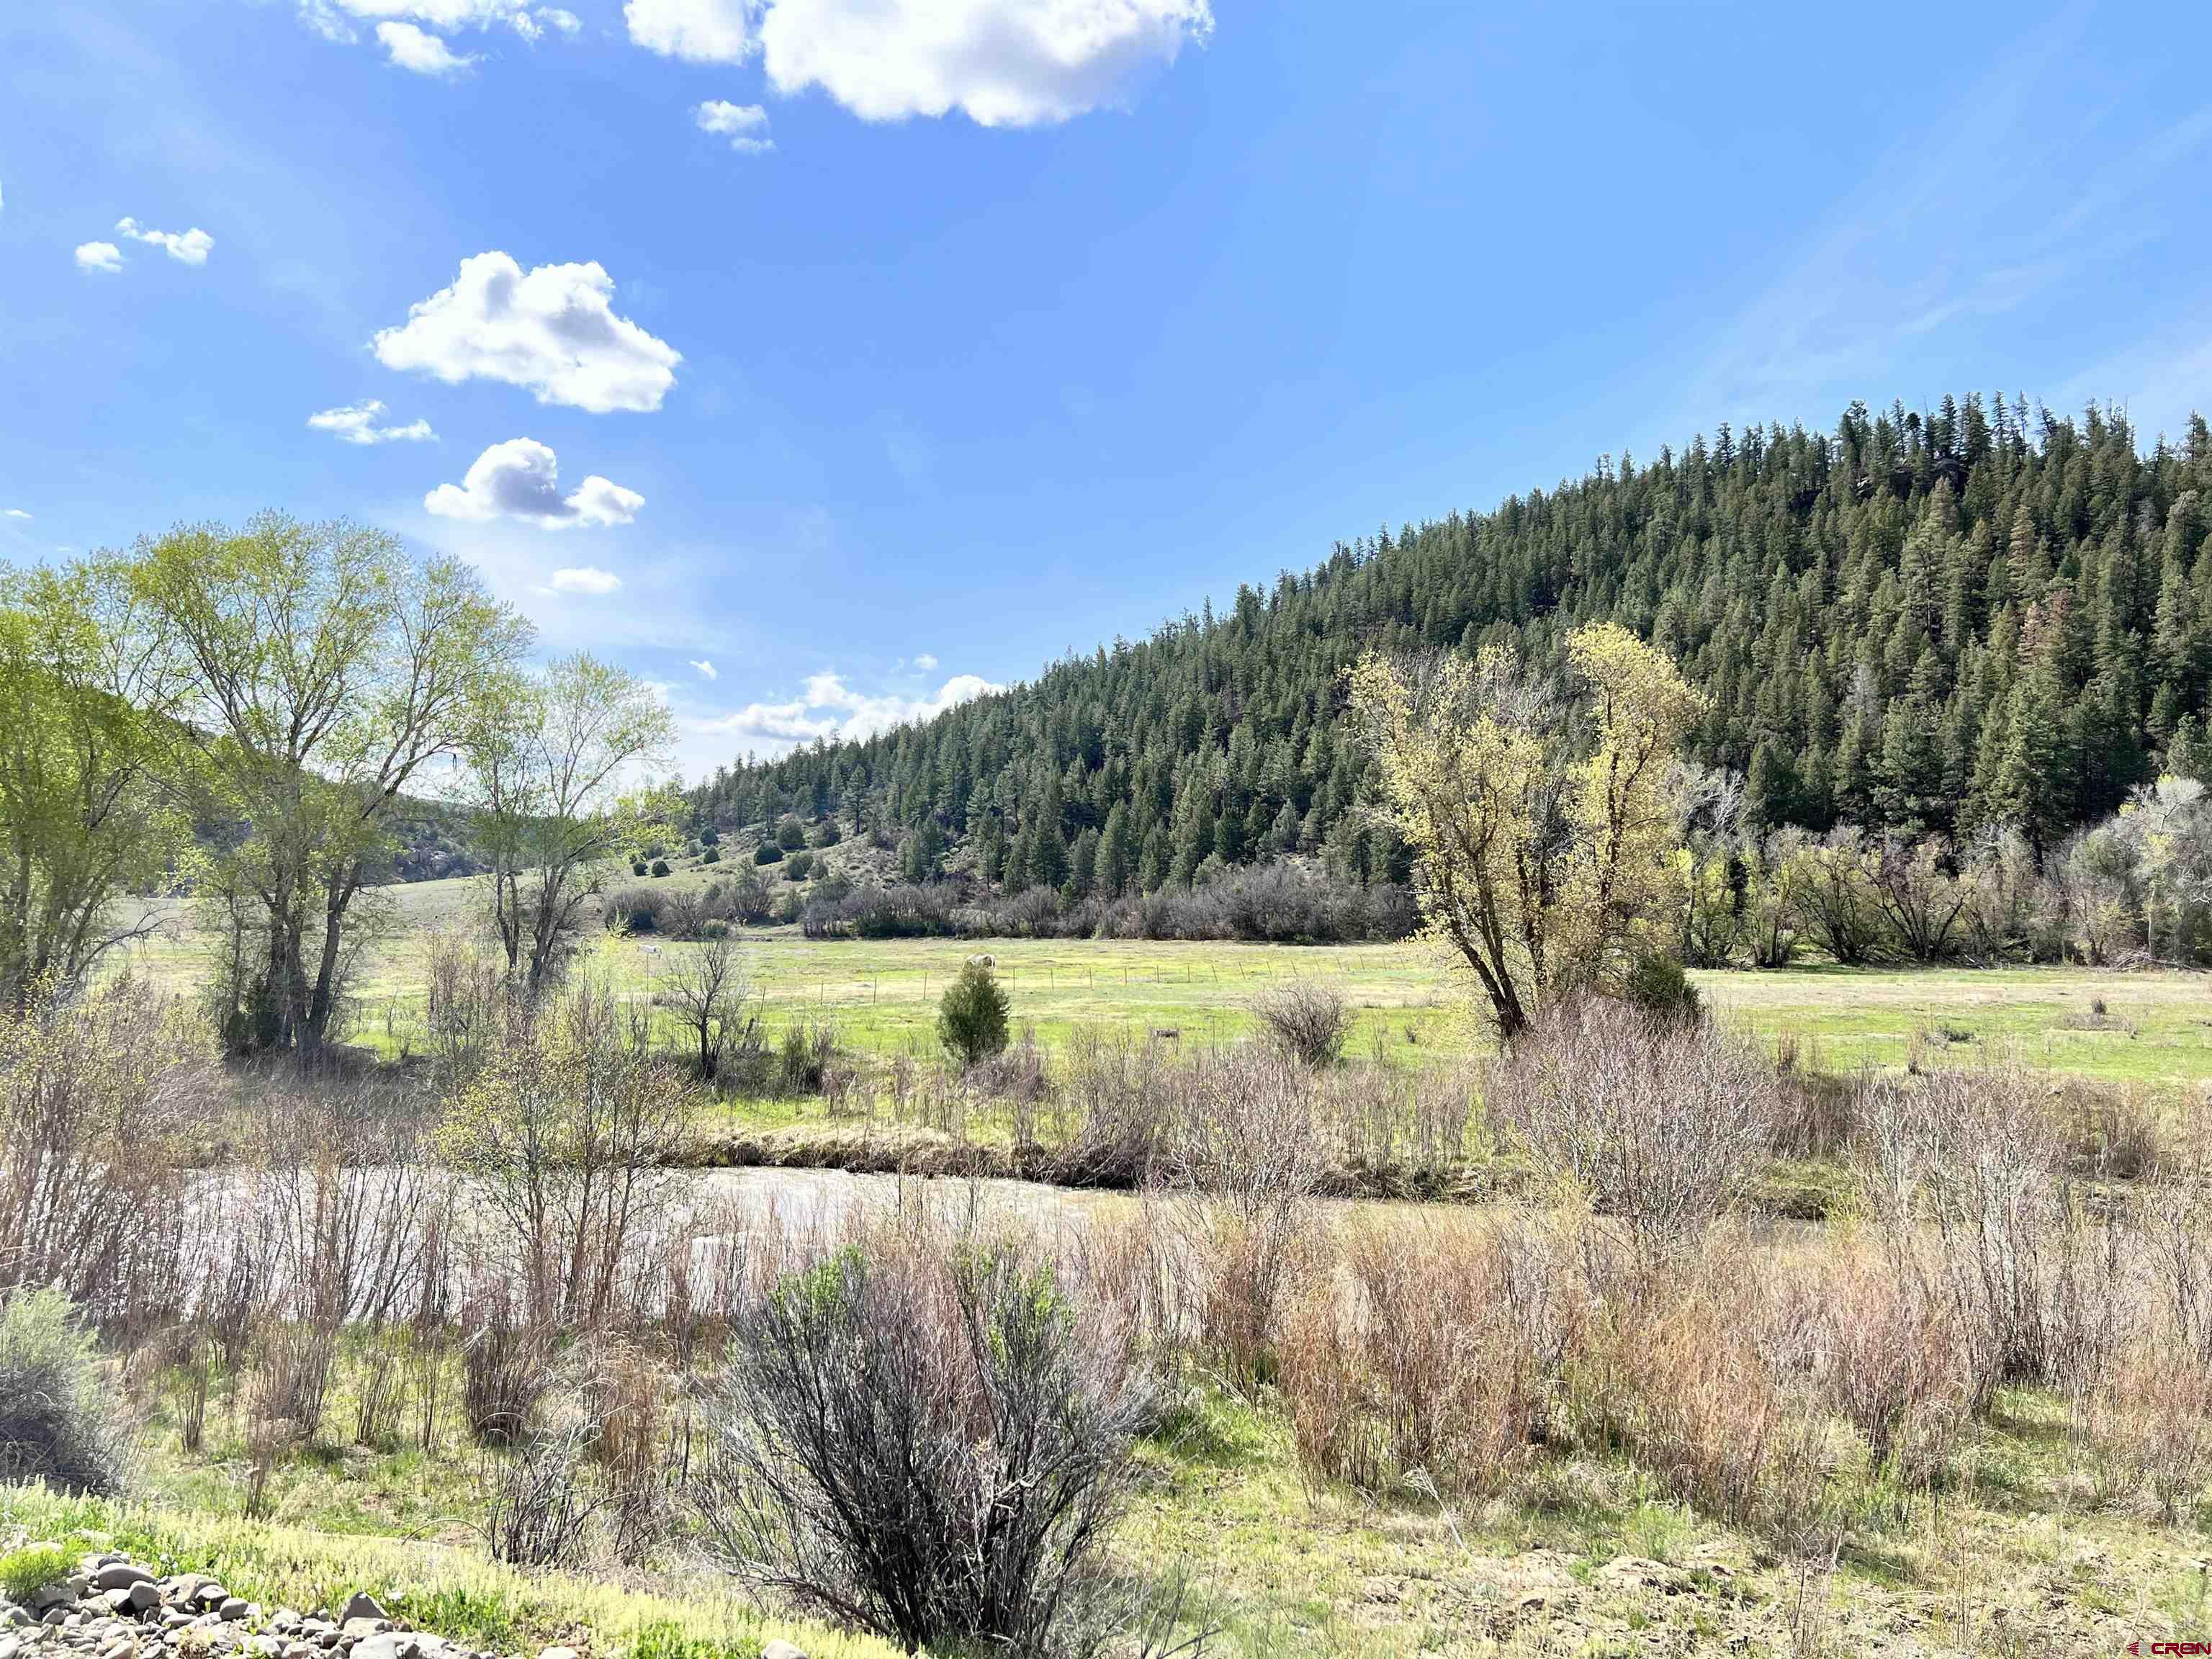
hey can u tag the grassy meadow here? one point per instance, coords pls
(2148, 1026)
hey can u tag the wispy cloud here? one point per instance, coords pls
(364, 423)
(1984, 215)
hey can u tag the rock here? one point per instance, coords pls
(120, 1576)
(386, 1644)
(208, 1594)
(779, 1649)
(232, 1609)
(560, 1653)
(359, 1630)
(362, 1606)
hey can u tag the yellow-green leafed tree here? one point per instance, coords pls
(1542, 825)
(87, 720)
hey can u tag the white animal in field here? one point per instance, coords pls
(983, 961)
(650, 950)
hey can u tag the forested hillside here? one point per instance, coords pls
(1929, 622)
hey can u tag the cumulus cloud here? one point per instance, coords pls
(828, 707)
(1002, 62)
(361, 423)
(552, 330)
(99, 256)
(411, 48)
(520, 479)
(925, 662)
(746, 126)
(190, 248)
(697, 31)
(706, 669)
(585, 579)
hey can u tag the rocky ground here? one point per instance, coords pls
(113, 1608)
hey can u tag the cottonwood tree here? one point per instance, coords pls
(1543, 863)
(326, 668)
(88, 705)
(553, 764)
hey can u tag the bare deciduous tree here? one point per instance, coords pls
(708, 990)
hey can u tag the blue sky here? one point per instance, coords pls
(932, 338)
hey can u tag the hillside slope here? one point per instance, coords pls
(1926, 621)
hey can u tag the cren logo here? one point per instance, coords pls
(2201, 1648)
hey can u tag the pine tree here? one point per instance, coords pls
(1116, 858)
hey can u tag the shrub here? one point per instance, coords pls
(1430, 1352)
(926, 1435)
(790, 833)
(1306, 1021)
(971, 1017)
(660, 867)
(1892, 1361)
(806, 1058)
(799, 866)
(768, 853)
(1244, 1137)
(826, 834)
(25, 1572)
(636, 909)
(1661, 990)
(637, 867)
(1660, 1125)
(537, 1507)
(1967, 1170)
(502, 1378)
(710, 836)
(57, 1423)
(712, 855)
(96, 1089)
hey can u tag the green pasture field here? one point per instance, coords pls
(2150, 1027)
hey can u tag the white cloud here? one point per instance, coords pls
(332, 19)
(18, 512)
(697, 31)
(925, 662)
(1004, 63)
(746, 126)
(357, 423)
(99, 256)
(551, 330)
(828, 707)
(190, 248)
(706, 669)
(585, 579)
(410, 48)
(520, 479)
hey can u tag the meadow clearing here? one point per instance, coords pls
(2150, 1026)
